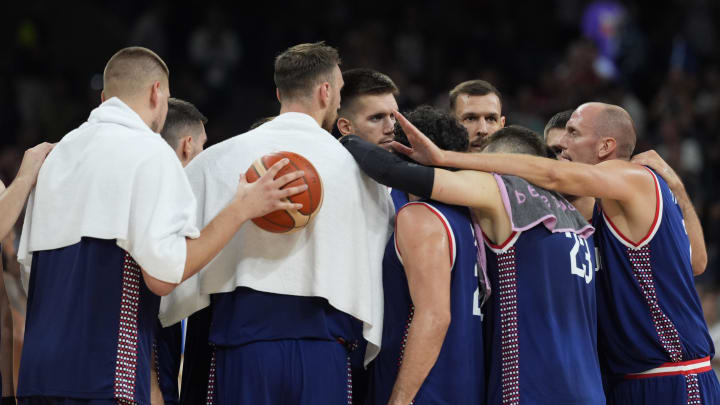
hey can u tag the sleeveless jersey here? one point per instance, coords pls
(648, 310)
(89, 326)
(458, 374)
(542, 327)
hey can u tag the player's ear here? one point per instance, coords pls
(102, 96)
(344, 126)
(277, 94)
(607, 147)
(324, 93)
(502, 121)
(155, 94)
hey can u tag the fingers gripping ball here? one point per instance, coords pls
(282, 221)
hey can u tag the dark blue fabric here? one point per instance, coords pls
(399, 198)
(198, 354)
(628, 338)
(169, 346)
(556, 320)
(298, 372)
(669, 390)
(73, 320)
(458, 374)
(246, 315)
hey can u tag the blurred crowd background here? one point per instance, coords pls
(660, 60)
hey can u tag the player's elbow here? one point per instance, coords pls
(439, 319)
(699, 263)
(158, 287)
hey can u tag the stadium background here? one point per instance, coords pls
(660, 60)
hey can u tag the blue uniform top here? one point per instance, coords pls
(458, 374)
(648, 310)
(542, 324)
(89, 326)
(399, 198)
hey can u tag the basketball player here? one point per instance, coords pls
(367, 111)
(12, 200)
(541, 265)
(652, 334)
(184, 130)
(109, 227)
(432, 335)
(287, 310)
(555, 129)
(477, 105)
(367, 108)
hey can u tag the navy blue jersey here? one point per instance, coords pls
(89, 326)
(542, 325)
(649, 312)
(458, 374)
(399, 198)
(246, 316)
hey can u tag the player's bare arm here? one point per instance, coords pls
(692, 222)
(423, 245)
(12, 198)
(6, 339)
(250, 201)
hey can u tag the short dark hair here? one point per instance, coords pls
(439, 126)
(301, 67)
(360, 82)
(558, 121)
(130, 68)
(181, 114)
(517, 139)
(473, 88)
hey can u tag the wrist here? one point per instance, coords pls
(237, 212)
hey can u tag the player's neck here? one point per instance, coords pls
(298, 107)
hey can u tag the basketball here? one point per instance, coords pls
(283, 221)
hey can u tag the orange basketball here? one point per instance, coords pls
(282, 221)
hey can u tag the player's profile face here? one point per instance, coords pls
(373, 119)
(480, 115)
(579, 139)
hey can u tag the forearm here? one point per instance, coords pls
(571, 178)
(6, 341)
(12, 201)
(425, 338)
(390, 169)
(698, 257)
(212, 240)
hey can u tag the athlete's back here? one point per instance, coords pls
(458, 374)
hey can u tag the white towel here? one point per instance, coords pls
(113, 178)
(338, 256)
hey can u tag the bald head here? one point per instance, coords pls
(131, 71)
(610, 121)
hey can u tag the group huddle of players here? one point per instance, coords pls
(482, 264)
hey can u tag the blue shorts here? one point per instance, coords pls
(64, 401)
(292, 372)
(673, 389)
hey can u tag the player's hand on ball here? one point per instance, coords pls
(32, 161)
(422, 149)
(267, 195)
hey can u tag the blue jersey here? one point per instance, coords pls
(399, 198)
(458, 374)
(89, 326)
(649, 312)
(542, 323)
